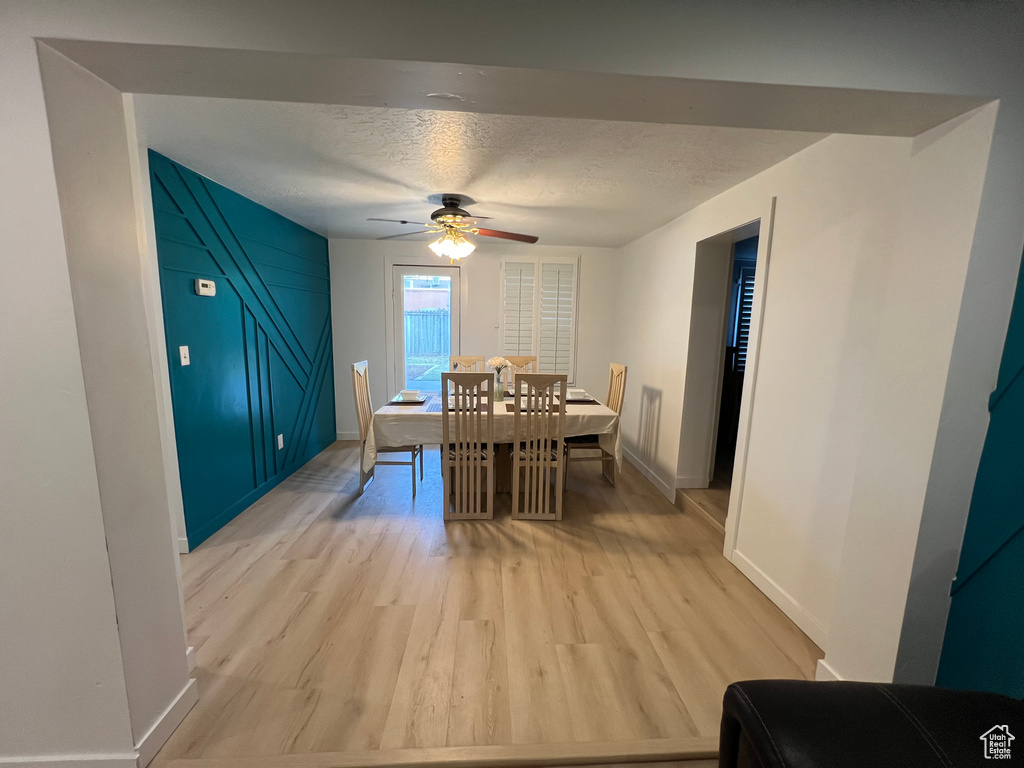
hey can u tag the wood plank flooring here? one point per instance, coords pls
(711, 502)
(334, 629)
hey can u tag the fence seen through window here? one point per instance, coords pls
(427, 301)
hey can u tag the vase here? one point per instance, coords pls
(499, 389)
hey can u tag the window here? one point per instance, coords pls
(744, 309)
(539, 315)
(517, 295)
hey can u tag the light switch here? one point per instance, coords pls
(183, 351)
(280, 442)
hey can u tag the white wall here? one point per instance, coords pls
(361, 277)
(138, 146)
(62, 665)
(870, 247)
(705, 355)
(93, 173)
(933, 228)
(62, 687)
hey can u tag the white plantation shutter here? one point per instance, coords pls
(557, 318)
(745, 311)
(518, 296)
(539, 311)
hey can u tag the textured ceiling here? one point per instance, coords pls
(571, 182)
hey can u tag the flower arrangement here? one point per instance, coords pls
(498, 364)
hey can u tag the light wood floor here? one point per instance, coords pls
(712, 501)
(365, 628)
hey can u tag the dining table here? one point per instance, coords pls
(399, 424)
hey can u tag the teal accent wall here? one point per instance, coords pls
(984, 643)
(260, 350)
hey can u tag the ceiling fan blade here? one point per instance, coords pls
(405, 234)
(505, 235)
(399, 221)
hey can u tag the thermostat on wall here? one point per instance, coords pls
(206, 287)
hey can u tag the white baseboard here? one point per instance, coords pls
(825, 672)
(144, 752)
(789, 606)
(692, 482)
(150, 744)
(190, 656)
(183, 545)
(650, 474)
(127, 760)
(348, 435)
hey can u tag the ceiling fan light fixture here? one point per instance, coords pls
(453, 223)
(452, 245)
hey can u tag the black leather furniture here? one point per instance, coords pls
(800, 724)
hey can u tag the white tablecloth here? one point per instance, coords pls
(394, 426)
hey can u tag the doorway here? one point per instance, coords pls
(741, 307)
(721, 315)
(426, 324)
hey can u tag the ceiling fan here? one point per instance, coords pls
(452, 222)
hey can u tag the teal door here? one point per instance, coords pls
(255, 400)
(984, 643)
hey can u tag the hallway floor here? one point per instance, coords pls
(325, 622)
(712, 501)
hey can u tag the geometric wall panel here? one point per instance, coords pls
(985, 629)
(260, 350)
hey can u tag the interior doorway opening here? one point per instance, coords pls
(737, 332)
(719, 346)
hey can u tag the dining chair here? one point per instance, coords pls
(590, 443)
(466, 363)
(538, 463)
(364, 412)
(518, 364)
(467, 445)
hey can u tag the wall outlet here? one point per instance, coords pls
(183, 353)
(280, 442)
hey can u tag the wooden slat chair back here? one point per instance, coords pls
(467, 445)
(361, 386)
(364, 414)
(518, 364)
(591, 443)
(616, 387)
(538, 436)
(466, 363)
